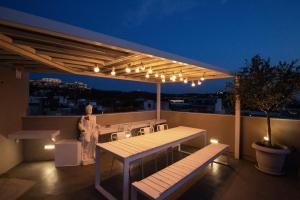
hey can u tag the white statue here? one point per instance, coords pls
(89, 135)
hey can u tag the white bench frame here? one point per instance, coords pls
(182, 181)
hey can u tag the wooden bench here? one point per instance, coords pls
(162, 183)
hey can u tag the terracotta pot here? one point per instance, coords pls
(271, 160)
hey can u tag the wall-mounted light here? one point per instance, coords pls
(214, 141)
(49, 147)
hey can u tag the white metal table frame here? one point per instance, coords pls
(127, 160)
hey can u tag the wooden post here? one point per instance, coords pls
(158, 102)
(237, 129)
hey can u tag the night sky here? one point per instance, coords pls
(218, 32)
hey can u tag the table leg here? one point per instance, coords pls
(97, 179)
(126, 180)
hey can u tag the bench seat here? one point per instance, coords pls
(162, 183)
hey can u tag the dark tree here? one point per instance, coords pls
(267, 87)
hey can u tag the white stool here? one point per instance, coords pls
(67, 153)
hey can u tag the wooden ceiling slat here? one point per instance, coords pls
(64, 50)
(16, 33)
(69, 57)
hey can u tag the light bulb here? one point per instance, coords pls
(150, 70)
(163, 80)
(113, 72)
(202, 78)
(143, 67)
(185, 80)
(147, 75)
(96, 69)
(180, 74)
(156, 75)
(193, 84)
(174, 79)
(162, 76)
(199, 83)
(181, 79)
(127, 70)
(137, 70)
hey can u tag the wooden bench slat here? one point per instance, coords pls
(153, 185)
(146, 189)
(161, 183)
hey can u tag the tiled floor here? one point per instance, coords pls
(242, 181)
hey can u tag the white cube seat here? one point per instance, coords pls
(67, 153)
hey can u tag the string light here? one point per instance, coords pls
(137, 70)
(150, 70)
(162, 76)
(185, 81)
(147, 75)
(202, 78)
(143, 67)
(127, 69)
(156, 75)
(181, 79)
(163, 80)
(96, 69)
(113, 72)
(193, 84)
(180, 74)
(199, 83)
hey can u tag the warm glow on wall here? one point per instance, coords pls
(266, 138)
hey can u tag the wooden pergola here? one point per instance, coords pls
(41, 45)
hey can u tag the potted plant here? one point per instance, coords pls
(268, 88)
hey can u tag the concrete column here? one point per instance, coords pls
(237, 129)
(158, 101)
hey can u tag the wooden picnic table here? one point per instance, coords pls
(134, 148)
